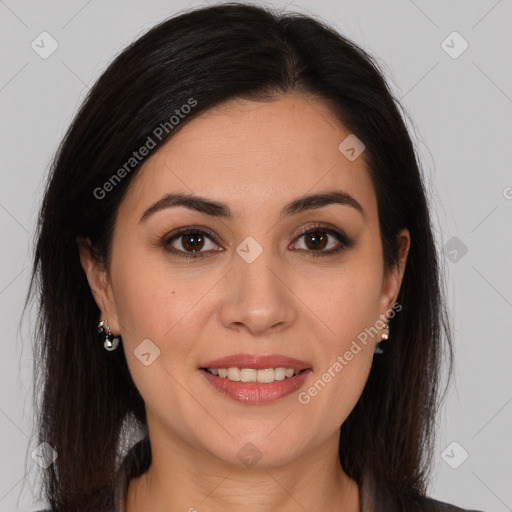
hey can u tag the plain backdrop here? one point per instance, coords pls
(460, 103)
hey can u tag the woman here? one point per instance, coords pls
(238, 212)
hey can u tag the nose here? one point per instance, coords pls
(258, 297)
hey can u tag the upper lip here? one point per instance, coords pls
(257, 362)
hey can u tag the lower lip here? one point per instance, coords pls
(255, 392)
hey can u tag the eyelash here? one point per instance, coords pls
(343, 239)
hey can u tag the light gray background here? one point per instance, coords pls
(461, 111)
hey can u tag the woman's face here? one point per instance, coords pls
(258, 288)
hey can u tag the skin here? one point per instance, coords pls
(256, 157)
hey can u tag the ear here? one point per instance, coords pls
(393, 278)
(99, 283)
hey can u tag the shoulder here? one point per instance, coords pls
(378, 497)
(432, 505)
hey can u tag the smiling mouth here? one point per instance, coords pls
(261, 376)
(256, 386)
(256, 378)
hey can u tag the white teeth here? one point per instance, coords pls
(266, 375)
(263, 376)
(248, 375)
(279, 373)
(234, 374)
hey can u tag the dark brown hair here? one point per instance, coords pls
(213, 54)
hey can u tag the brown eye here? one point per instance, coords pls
(320, 240)
(192, 242)
(316, 240)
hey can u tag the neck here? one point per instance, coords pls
(183, 479)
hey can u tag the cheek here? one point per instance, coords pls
(337, 383)
(161, 315)
(345, 300)
(326, 403)
(153, 299)
(160, 304)
(347, 312)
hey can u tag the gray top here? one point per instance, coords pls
(138, 460)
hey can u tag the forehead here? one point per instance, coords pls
(255, 155)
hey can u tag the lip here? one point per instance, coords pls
(254, 392)
(257, 362)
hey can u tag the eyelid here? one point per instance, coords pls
(194, 229)
(325, 226)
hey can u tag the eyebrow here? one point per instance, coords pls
(217, 209)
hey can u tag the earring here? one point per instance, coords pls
(110, 342)
(384, 337)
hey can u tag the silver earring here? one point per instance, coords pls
(110, 342)
(384, 337)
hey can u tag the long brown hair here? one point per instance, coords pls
(84, 395)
